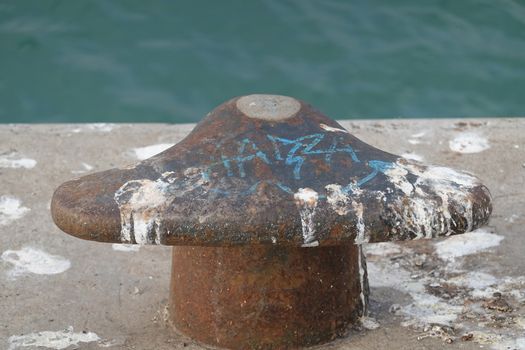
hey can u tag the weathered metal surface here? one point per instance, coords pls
(283, 174)
(265, 297)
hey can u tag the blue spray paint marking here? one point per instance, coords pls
(296, 155)
(331, 150)
(284, 188)
(350, 150)
(253, 187)
(279, 185)
(301, 149)
(291, 157)
(378, 166)
(277, 152)
(226, 162)
(206, 175)
(240, 159)
(219, 191)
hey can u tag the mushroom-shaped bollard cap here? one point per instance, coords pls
(272, 170)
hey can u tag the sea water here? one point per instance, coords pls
(172, 61)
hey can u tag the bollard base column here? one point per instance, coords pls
(265, 297)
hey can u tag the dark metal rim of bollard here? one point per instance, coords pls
(266, 297)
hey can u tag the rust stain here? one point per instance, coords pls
(265, 297)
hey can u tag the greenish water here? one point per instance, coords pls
(172, 61)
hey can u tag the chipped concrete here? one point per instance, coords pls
(478, 288)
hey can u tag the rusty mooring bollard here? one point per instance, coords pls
(267, 202)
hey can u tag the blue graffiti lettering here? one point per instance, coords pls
(300, 149)
(252, 188)
(377, 167)
(298, 160)
(241, 158)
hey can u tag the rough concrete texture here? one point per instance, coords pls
(452, 293)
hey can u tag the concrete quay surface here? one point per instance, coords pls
(59, 292)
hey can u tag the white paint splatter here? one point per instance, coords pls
(512, 218)
(442, 174)
(467, 244)
(420, 214)
(469, 143)
(361, 263)
(520, 321)
(31, 260)
(511, 344)
(475, 280)
(142, 203)
(412, 156)
(361, 236)
(102, 127)
(95, 127)
(149, 151)
(384, 248)
(332, 129)
(337, 199)
(419, 134)
(306, 201)
(109, 343)
(52, 340)
(428, 309)
(380, 276)
(369, 323)
(125, 247)
(397, 176)
(341, 203)
(11, 210)
(424, 308)
(445, 296)
(86, 167)
(415, 139)
(14, 160)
